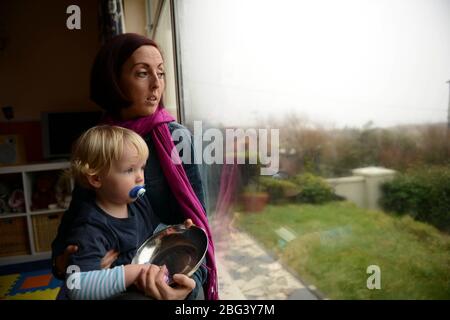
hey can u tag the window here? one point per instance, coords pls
(163, 35)
(358, 95)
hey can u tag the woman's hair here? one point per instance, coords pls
(97, 148)
(106, 70)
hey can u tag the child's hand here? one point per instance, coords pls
(133, 272)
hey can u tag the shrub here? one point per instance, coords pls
(313, 189)
(422, 193)
(278, 189)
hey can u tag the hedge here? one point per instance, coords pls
(422, 193)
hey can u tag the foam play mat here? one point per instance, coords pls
(33, 285)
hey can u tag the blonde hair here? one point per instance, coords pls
(97, 148)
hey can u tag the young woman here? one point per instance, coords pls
(127, 81)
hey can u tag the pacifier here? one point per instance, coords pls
(137, 192)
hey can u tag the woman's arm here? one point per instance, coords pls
(193, 174)
(199, 277)
(191, 168)
(160, 197)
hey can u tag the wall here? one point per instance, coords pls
(351, 188)
(44, 66)
(135, 16)
(364, 187)
(155, 6)
(30, 131)
(374, 177)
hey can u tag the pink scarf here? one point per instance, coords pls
(156, 125)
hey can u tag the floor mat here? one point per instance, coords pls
(33, 285)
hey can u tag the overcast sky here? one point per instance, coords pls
(340, 62)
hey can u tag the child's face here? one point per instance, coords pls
(124, 175)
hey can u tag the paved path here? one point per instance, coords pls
(246, 271)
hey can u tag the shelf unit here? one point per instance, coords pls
(26, 236)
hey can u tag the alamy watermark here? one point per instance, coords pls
(374, 281)
(249, 146)
(74, 20)
(73, 280)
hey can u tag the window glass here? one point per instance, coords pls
(342, 190)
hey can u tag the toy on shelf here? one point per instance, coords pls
(17, 201)
(4, 195)
(63, 191)
(44, 192)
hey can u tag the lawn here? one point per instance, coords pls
(335, 243)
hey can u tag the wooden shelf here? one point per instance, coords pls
(58, 210)
(12, 215)
(34, 226)
(48, 166)
(25, 258)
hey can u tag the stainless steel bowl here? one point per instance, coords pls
(181, 249)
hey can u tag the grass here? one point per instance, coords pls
(336, 242)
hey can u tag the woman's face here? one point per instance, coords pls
(142, 81)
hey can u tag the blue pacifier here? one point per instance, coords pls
(137, 192)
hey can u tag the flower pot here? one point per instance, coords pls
(254, 201)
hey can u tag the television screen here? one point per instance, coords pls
(61, 129)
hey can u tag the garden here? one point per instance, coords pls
(330, 242)
(334, 243)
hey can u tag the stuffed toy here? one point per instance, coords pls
(17, 201)
(3, 206)
(64, 191)
(44, 192)
(4, 194)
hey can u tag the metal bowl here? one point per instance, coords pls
(181, 249)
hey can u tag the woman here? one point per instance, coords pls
(127, 81)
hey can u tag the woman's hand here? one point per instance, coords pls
(188, 223)
(152, 283)
(109, 258)
(62, 261)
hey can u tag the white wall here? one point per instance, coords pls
(351, 188)
(364, 187)
(135, 16)
(44, 66)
